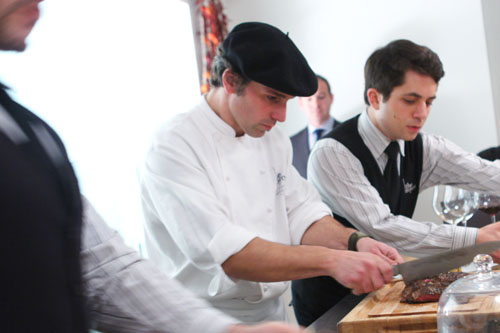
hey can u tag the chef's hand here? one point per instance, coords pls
(386, 252)
(362, 272)
(271, 327)
(489, 233)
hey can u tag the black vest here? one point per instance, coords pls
(40, 232)
(313, 297)
(409, 172)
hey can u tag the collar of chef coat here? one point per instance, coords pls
(217, 121)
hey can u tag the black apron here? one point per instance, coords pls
(313, 297)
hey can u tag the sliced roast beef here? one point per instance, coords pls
(429, 289)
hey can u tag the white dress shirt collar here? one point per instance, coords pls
(374, 139)
(327, 126)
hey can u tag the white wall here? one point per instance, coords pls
(337, 37)
(491, 9)
(105, 79)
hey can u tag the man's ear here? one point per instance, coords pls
(374, 97)
(230, 81)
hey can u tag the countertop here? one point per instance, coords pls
(327, 323)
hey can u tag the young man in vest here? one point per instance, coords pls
(48, 282)
(370, 169)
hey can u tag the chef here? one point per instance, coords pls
(371, 169)
(226, 213)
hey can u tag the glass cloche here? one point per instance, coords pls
(472, 304)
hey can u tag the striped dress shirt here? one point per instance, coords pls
(126, 293)
(340, 179)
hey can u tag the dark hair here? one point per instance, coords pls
(385, 69)
(321, 77)
(219, 65)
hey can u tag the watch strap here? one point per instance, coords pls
(353, 240)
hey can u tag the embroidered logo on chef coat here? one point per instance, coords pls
(409, 187)
(280, 183)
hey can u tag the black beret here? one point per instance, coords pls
(262, 53)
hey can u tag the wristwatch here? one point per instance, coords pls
(353, 240)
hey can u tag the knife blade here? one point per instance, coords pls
(442, 262)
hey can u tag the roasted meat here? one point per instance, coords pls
(429, 289)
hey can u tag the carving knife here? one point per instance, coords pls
(442, 262)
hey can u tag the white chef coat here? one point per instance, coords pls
(207, 193)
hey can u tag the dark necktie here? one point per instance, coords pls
(391, 175)
(318, 133)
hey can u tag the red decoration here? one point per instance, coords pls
(213, 31)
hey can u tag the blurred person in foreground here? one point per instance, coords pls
(64, 269)
(226, 213)
(371, 169)
(319, 122)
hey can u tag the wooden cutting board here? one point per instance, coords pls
(381, 311)
(388, 304)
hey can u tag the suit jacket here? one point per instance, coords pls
(300, 145)
(40, 228)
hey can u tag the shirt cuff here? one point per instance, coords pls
(464, 237)
(303, 220)
(229, 240)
